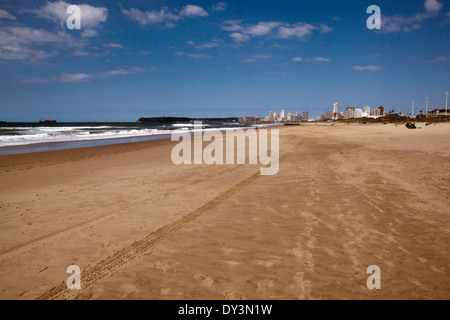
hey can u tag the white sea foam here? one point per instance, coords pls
(32, 135)
(62, 134)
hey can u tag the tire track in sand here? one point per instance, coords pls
(108, 266)
(7, 252)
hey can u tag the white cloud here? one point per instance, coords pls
(367, 68)
(57, 11)
(239, 37)
(440, 59)
(193, 11)
(324, 28)
(221, 6)
(22, 52)
(212, 44)
(400, 23)
(89, 33)
(6, 15)
(274, 29)
(256, 58)
(152, 17)
(119, 72)
(27, 35)
(192, 55)
(320, 59)
(113, 45)
(433, 6)
(75, 77)
(299, 30)
(83, 77)
(91, 16)
(261, 29)
(296, 59)
(22, 43)
(232, 25)
(164, 16)
(281, 47)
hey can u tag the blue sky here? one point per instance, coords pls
(202, 58)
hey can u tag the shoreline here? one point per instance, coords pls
(76, 144)
(88, 143)
(77, 153)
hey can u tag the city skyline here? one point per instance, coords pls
(218, 58)
(349, 113)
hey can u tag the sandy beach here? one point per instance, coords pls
(139, 227)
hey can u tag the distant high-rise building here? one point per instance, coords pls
(282, 116)
(335, 110)
(271, 117)
(378, 112)
(349, 113)
(358, 113)
(329, 115)
(305, 116)
(366, 112)
(289, 117)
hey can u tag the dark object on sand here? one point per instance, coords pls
(411, 125)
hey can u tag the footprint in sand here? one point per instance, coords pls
(435, 269)
(306, 214)
(311, 241)
(204, 279)
(422, 259)
(297, 252)
(160, 266)
(304, 257)
(234, 296)
(299, 280)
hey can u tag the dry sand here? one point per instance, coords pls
(139, 227)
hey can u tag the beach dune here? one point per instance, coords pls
(140, 227)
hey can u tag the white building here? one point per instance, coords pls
(349, 113)
(289, 117)
(335, 110)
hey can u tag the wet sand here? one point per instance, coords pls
(139, 227)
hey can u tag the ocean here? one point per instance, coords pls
(25, 137)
